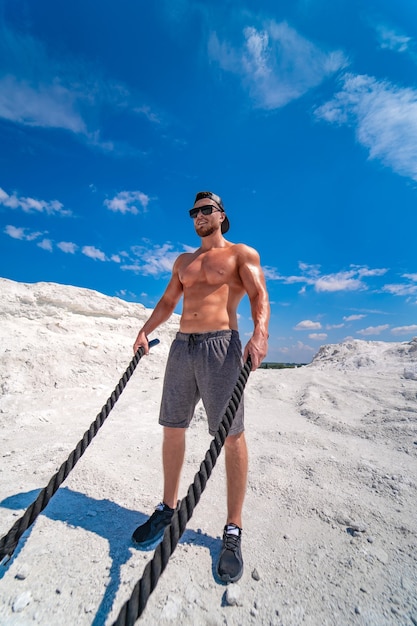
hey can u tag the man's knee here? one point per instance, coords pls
(174, 435)
(234, 442)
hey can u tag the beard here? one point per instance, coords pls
(205, 231)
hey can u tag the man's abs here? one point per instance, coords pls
(209, 310)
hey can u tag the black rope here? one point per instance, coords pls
(9, 542)
(135, 606)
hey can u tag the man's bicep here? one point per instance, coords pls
(174, 289)
(251, 273)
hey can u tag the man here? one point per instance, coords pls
(205, 361)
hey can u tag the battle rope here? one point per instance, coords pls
(9, 542)
(135, 606)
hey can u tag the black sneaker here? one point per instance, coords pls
(230, 563)
(148, 535)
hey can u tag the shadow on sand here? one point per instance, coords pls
(108, 520)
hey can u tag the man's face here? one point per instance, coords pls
(206, 225)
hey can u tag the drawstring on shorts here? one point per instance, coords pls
(191, 342)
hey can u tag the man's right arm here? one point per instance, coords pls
(253, 280)
(162, 311)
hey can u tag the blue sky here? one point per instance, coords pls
(302, 115)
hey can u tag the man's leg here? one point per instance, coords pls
(149, 534)
(236, 472)
(230, 563)
(173, 450)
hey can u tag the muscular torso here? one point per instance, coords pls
(212, 289)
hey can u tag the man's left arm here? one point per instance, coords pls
(253, 280)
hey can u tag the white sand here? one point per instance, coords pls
(333, 448)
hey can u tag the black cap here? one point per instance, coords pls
(213, 196)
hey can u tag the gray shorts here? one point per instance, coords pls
(205, 366)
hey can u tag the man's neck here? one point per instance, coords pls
(216, 240)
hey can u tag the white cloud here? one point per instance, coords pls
(47, 106)
(124, 294)
(148, 113)
(37, 90)
(384, 117)
(188, 248)
(353, 318)
(67, 247)
(155, 261)
(30, 205)
(366, 272)
(290, 280)
(401, 290)
(391, 39)
(21, 233)
(313, 270)
(349, 280)
(94, 253)
(277, 64)
(300, 352)
(307, 325)
(42, 90)
(303, 347)
(404, 330)
(128, 202)
(318, 336)
(271, 273)
(345, 280)
(14, 232)
(373, 330)
(46, 244)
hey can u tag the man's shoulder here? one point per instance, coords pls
(180, 262)
(186, 256)
(244, 251)
(243, 246)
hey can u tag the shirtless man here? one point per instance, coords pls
(205, 361)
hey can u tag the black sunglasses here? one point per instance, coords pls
(207, 209)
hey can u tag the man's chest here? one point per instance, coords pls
(215, 267)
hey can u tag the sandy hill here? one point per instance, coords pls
(330, 523)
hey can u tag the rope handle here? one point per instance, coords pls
(140, 351)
